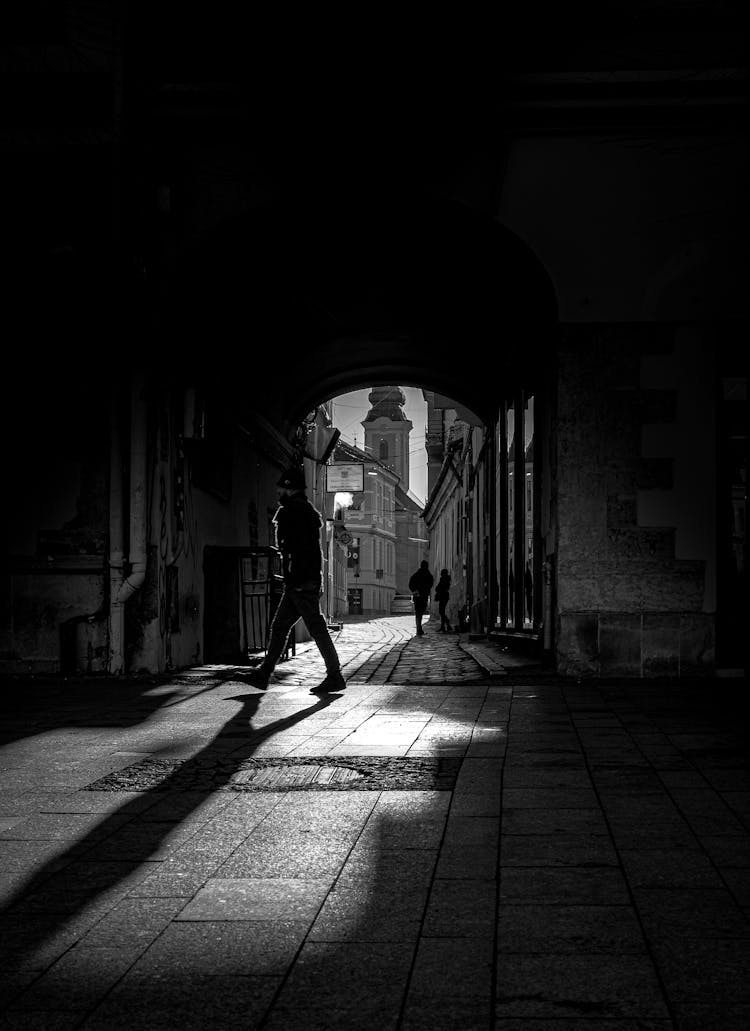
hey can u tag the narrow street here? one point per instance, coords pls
(456, 841)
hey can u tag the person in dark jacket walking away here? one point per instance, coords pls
(298, 526)
(420, 585)
(442, 593)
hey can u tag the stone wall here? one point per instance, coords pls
(635, 553)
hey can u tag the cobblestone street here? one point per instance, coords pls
(459, 840)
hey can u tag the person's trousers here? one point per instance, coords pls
(304, 605)
(444, 621)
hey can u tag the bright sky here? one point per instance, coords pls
(350, 409)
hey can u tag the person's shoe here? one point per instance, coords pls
(258, 678)
(331, 682)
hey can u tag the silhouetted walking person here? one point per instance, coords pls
(298, 526)
(442, 593)
(420, 584)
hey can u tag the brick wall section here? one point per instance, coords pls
(626, 604)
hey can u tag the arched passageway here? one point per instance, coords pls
(285, 308)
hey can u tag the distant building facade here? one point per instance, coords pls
(370, 521)
(387, 437)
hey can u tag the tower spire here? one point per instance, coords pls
(387, 430)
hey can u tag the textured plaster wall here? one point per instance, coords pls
(54, 527)
(241, 519)
(635, 557)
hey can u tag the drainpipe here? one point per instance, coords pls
(121, 587)
(138, 530)
(116, 556)
(547, 634)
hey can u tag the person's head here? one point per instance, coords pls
(423, 564)
(443, 572)
(291, 481)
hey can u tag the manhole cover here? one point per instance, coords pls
(275, 778)
(319, 773)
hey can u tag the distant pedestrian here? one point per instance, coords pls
(298, 526)
(420, 584)
(442, 593)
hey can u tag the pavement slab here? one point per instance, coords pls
(436, 846)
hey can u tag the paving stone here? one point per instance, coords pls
(713, 1016)
(669, 868)
(429, 804)
(549, 798)
(472, 862)
(13, 983)
(233, 948)
(445, 1013)
(553, 821)
(302, 854)
(454, 968)
(738, 882)
(559, 929)
(579, 987)
(707, 813)
(697, 969)
(399, 834)
(68, 827)
(42, 1021)
(627, 780)
(82, 977)
(730, 851)
(82, 883)
(524, 776)
(381, 915)
(557, 850)
(475, 804)
(585, 1024)
(132, 922)
(471, 832)
(458, 908)
(690, 912)
(406, 867)
(257, 899)
(571, 885)
(184, 1003)
(374, 976)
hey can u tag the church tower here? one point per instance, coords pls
(387, 431)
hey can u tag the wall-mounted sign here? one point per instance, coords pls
(345, 476)
(341, 534)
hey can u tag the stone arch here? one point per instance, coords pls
(297, 306)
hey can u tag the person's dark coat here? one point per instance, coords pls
(443, 589)
(298, 526)
(421, 584)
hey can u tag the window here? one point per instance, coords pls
(383, 450)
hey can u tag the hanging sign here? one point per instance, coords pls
(345, 476)
(341, 534)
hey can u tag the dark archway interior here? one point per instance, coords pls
(298, 304)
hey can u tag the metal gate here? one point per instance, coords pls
(261, 585)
